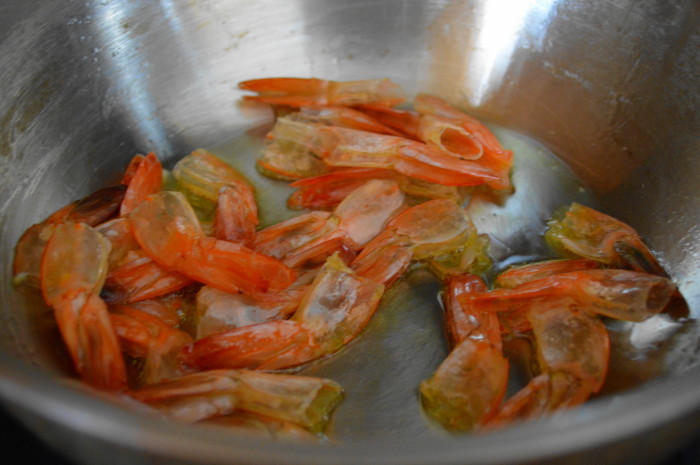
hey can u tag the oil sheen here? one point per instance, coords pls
(404, 343)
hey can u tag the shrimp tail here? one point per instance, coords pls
(146, 179)
(87, 330)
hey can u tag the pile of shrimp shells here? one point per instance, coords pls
(405, 340)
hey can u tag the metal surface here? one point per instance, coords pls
(610, 87)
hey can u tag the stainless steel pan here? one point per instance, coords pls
(609, 87)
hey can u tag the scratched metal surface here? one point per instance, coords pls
(610, 87)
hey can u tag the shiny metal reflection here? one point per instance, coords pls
(503, 28)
